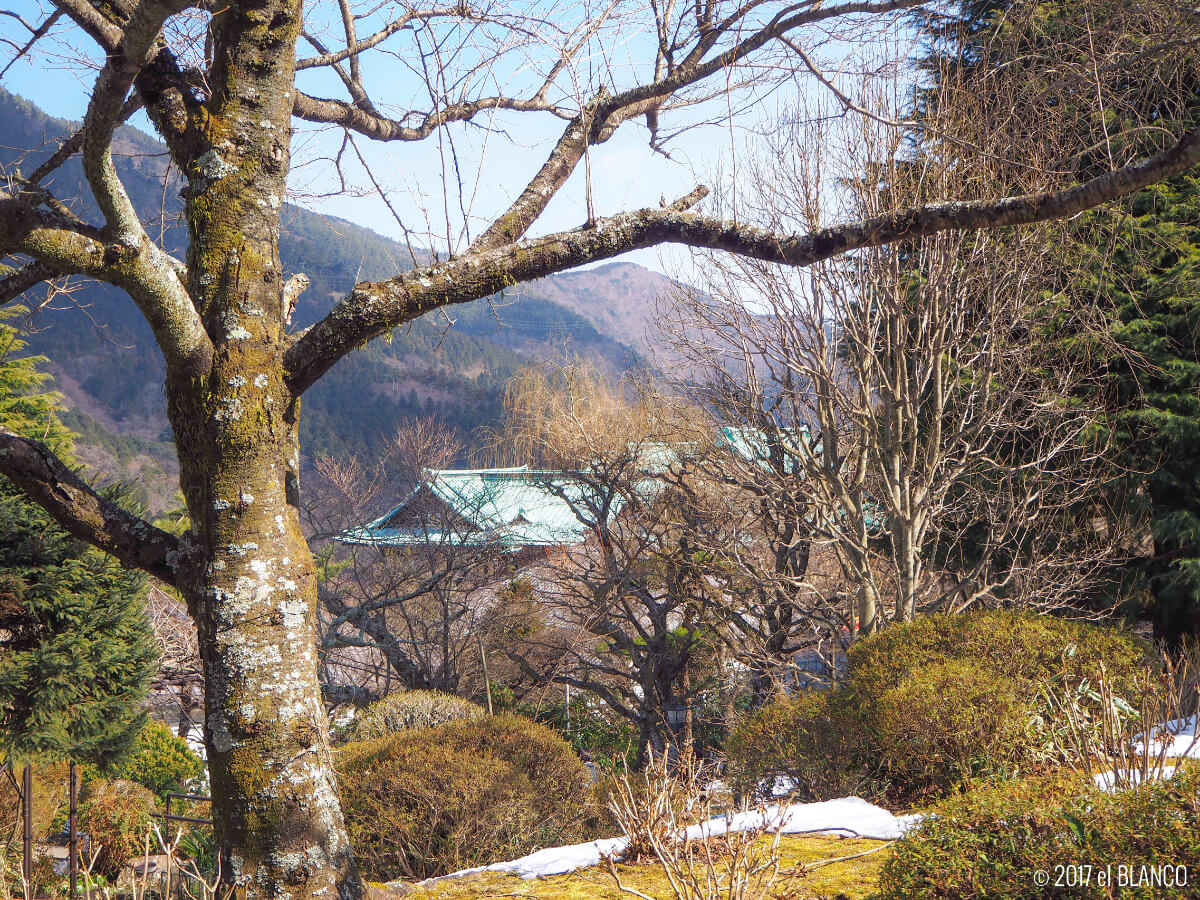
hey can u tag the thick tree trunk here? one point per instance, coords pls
(277, 817)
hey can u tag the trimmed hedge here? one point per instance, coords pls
(1017, 644)
(433, 800)
(410, 709)
(992, 840)
(946, 721)
(931, 703)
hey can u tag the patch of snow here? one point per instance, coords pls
(553, 860)
(782, 785)
(1107, 781)
(1177, 738)
(848, 816)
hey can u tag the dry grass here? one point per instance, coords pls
(854, 879)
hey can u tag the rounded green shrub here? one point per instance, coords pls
(116, 815)
(428, 801)
(410, 709)
(161, 761)
(930, 703)
(945, 698)
(993, 840)
(812, 739)
(947, 721)
(1024, 646)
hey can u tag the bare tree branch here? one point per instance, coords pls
(135, 50)
(372, 309)
(17, 281)
(35, 35)
(74, 144)
(380, 128)
(87, 515)
(94, 23)
(151, 278)
(169, 95)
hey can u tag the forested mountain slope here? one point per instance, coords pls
(452, 366)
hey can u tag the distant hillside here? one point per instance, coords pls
(451, 365)
(618, 298)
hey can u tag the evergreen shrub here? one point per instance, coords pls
(1032, 649)
(430, 801)
(76, 649)
(947, 721)
(992, 840)
(593, 730)
(49, 797)
(933, 702)
(161, 761)
(410, 709)
(812, 740)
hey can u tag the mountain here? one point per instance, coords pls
(452, 364)
(618, 298)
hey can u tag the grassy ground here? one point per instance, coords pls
(853, 879)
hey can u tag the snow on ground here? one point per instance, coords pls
(1107, 781)
(849, 816)
(1175, 739)
(555, 860)
(1179, 738)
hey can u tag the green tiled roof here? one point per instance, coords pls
(517, 507)
(522, 507)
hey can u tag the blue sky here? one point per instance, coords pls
(495, 161)
(625, 174)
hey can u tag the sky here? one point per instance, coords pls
(494, 162)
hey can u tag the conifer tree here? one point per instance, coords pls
(1152, 287)
(76, 651)
(1139, 265)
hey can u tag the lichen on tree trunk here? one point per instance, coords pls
(276, 812)
(278, 821)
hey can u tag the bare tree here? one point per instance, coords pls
(899, 406)
(406, 603)
(176, 691)
(218, 81)
(624, 615)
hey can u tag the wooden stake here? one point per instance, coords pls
(73, 831)
(487, 682)
(27, 836)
